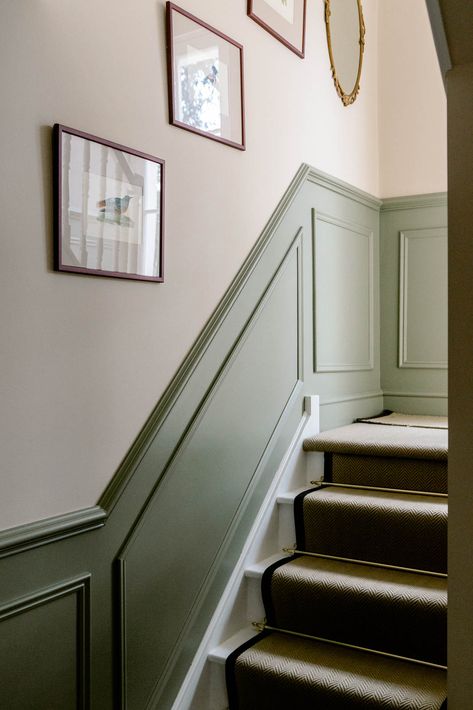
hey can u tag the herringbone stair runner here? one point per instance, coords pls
(356, 617)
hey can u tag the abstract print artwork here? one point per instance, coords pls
(205, 73)
(109, 208)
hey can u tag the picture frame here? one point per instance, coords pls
(205, 79)
(109, 208)
(284, 19)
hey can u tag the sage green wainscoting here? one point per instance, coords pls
(105, 608)
(414, 303)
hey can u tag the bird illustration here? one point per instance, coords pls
(114, 206)
(211, 77)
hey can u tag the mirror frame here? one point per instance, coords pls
(347, 99)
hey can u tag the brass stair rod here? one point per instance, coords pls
(428, 573)
(375, 488)
(263, 626)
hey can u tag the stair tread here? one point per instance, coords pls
(317, 602)
(387, 499)
(379, 440)
(282, 671)
(377, 526)
(366, 580)
(389, 610)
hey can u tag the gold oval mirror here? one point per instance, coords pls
(346, 42)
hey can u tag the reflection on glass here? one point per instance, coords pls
(110, 209)
(346, 42)
(206, 80)
(199, 89)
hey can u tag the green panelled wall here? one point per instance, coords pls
(105, 608)
(413, 274)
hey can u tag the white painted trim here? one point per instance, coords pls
(219, 654)
(256, 570)
(288, 497)
(293, 466)
(364, 232)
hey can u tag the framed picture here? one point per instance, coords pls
(284, 19)
(205, 77)
(109, 208)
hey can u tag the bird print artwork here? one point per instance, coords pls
(112, 210)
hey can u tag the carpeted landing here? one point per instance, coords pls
(356, 617)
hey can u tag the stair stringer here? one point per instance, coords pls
(204, 685)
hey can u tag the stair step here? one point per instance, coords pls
(396, 612)
(389, 528)
(288, 497)
(374, 440)
(220, 653)
(281, 671)
(256, 570)
(286, 527)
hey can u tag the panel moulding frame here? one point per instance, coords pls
(404, 236)
(318, 366)
(80, 586)
(295, 249)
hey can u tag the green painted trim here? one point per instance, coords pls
(295, 247)
(120, 585)
(159, 688)
(129, 465)
(125, 472)
(221, 373)
(318, 216)
(420, 395)
(414, 202)
(81, 587)
(325, 401)
(43, 532)
(404, 270)
(343, 188)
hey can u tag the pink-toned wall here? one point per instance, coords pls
(412, 103)
(84, 360)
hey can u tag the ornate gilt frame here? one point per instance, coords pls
(347, 99)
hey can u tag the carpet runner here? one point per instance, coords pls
(356, 617)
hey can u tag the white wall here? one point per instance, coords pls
(412, 103)
(84, 360)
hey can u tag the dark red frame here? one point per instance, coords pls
(300, 53)
(170, 8)
(58, 130)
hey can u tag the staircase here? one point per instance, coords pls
(355, 614)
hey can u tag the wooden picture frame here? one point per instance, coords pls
(284, 19)
(205, 79)
(109, 208)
